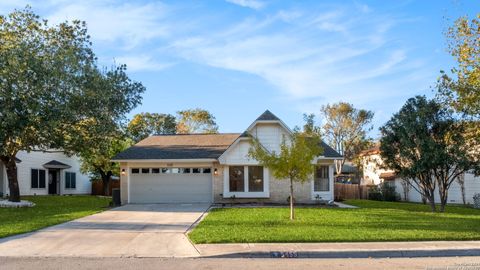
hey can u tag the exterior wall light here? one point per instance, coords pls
(123, 172)
(215, 171)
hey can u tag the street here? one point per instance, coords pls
(464, 263)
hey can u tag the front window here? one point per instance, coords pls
(37, 178)
(70, 180)
(321, 182)
(236, 179)
(255, 178)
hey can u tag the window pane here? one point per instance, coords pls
(155, 170)
(165, 170)
(175, 170)
(73, 180)
(255, 178)
(321, 182)
(236, 176)
(135, 170)
(196, 170)
(67, 180)
(34, 180)
(41, 178)
(185, 170)
(145, 170)
(207, 170)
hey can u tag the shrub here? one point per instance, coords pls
(383, 192)
(374, 193)
(476, 200)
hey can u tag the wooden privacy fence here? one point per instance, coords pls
(97, 187)
(350, 191)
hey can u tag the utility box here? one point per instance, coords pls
(116, 197)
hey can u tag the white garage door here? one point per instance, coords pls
(170, 185)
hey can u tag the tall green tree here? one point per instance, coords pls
(463, 84)
(143, 125)
(52, 94)
(426, 145)
(293, 162)
(345, 128)
(97, 161)
(196, 121)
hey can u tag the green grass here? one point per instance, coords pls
(49, 210)
(374, 221)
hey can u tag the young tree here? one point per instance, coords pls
(196, 121)
(52, 95)
(346, 130)
(145, 124)
(97, 161)
(294, 162)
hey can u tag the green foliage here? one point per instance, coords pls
(373, 221)
(462, 89)
(196, 121)
(52, 94)
(383, 192)
(48, 211)
(346, 130)
(145, 124)
(425, 144)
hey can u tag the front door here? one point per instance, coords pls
(52, 182)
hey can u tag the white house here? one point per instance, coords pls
(373, 174)
(43, 173)
(216, 168)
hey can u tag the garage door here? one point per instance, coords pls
(170, 185)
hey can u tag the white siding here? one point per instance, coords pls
(35, 160)
(472, 186)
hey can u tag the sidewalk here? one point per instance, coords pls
(342, 250)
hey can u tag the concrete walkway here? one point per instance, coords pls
(342, 250)
(153, 230)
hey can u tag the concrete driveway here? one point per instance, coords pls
(151, 230)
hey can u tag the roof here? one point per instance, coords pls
(53, 164)
(268, 116)
(329, 151)
(180, 146)
(388, 176)
(372, 151)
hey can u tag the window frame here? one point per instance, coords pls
(38, 178)
(246, 193)
(328, 194)
(68, 180)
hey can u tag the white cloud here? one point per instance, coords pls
(143, 62)
(253, 4)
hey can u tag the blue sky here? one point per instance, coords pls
(237, 58)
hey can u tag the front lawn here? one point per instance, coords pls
(49, 210)
(374, 221)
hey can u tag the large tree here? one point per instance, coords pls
(196, 121)
(52, 94)
(345, 128)
(293, 162)
(426, 145)
(463, 91)
(143, 125)
(97, 161)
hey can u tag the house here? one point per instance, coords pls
(43, 173)
(373, 174)
(216, 168)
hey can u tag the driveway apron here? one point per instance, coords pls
(147, 230)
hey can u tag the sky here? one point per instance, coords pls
(237, 58)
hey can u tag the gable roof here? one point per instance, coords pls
(179, 146)
(328, 151)
(54, 164)
(268, 116)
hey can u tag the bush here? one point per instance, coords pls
(476, 200)
(383, 192)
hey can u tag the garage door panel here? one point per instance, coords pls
(170, 188)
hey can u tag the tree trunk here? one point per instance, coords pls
(443, 198)
(106, 182)
(11, 167)
(292, 211)
(431, 200)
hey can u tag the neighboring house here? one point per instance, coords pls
(216, 168)
(42, 173)
(374, 175)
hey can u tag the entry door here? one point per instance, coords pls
(52, 182)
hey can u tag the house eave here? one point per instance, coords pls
(166, 160)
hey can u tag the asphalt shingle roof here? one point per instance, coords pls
(180, 146)
(268, 116)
